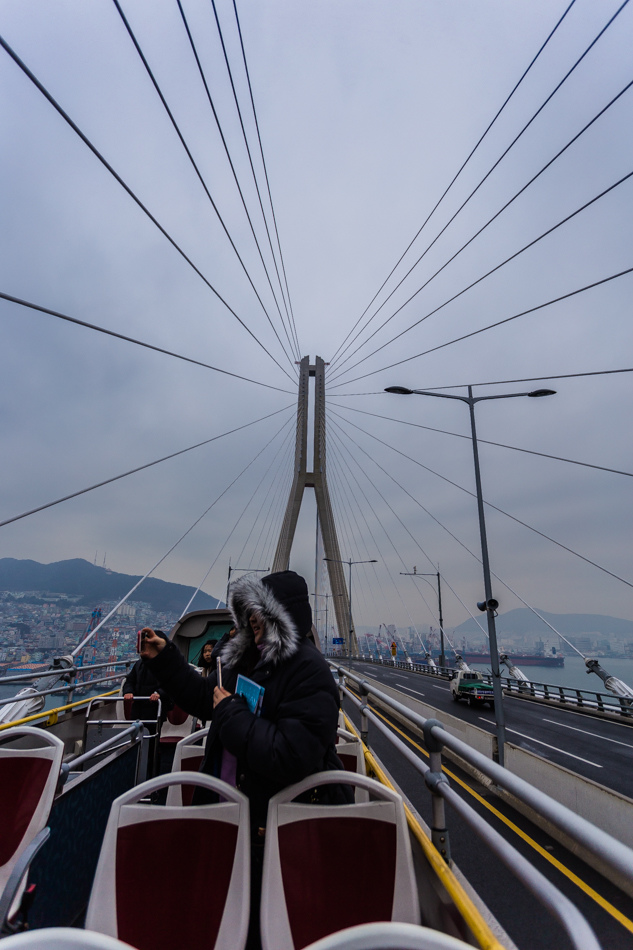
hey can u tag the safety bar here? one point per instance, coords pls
(570, 918)
(589, 699)
(52, 714)
(19, 870)
(615, 854)
(134, 732)
(60, 689)
(60, 671)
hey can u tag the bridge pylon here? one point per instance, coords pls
(316, 479)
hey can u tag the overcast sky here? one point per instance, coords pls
(366, 110)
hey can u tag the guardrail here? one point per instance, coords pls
(587, 699)
(73, 670)
(611, 852)
(52, 714)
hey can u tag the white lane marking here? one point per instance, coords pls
(548, 746)
(411, 690)
(596, 735)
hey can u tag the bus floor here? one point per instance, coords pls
(606, 908)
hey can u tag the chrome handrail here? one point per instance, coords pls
(576, 927)
(609, 850)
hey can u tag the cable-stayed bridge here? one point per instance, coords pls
(198, 198)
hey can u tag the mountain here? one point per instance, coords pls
(94, 584)
(523, 621)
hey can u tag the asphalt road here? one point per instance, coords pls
(592, 747)
(528, 923)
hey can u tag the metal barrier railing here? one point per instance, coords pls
(545, 692)
(51, 715)
(611, 852)
(27, 676)
(131, 735)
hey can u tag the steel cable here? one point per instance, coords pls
(95, 151)
(516, 139)
(450, 185)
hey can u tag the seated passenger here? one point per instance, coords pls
(205, 661)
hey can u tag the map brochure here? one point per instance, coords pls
(252, 692)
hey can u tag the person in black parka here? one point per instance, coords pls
(295, 734)
(140, 681)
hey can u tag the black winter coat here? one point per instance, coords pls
(141, 682)
(295, 734)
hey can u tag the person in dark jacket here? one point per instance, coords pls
(205, 660)
(217, 649)
(140, 681)
(295, 734)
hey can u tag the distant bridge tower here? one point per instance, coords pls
(316, 479)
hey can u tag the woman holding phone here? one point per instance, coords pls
(294, 733)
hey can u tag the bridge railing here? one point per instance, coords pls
(616, 855)
(544, 692)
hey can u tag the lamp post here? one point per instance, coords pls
(490, 604)
(250, 570)
(350, 562)
(439, 605)
(327, 597)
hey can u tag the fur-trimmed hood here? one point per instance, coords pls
(281, 636)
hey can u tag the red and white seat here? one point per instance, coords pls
(176, 726)
(349, 749)
(187, 757)
(174, 876)
(386, 936)
(30, 760)
(62, 938)
(310, 849)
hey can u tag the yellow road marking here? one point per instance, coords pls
(589, 891)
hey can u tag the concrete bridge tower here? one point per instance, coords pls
(316, 479)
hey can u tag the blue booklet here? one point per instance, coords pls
(252, 692)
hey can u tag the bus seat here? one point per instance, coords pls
(30, 760)
(350, 751)
(62, 938)
(174, 876)
(386, 936)
(311, 848)
(187, 757)
(176, 726)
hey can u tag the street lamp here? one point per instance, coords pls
(327, 597)
(490, 604)
(350, 562)
(250, 570)
(439, 603)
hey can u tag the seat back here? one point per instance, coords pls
(176, 726)
(62, 938)
(30, 760)
(386, 936)
(187, 757)
(350, 751)
(174, 876)
(311, 848)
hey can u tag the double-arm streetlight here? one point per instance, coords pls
(490, 604)
(351, 563)
(249, 570)
(416, 573)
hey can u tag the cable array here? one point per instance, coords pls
(495, 165)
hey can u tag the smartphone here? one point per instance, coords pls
(138, 641)
(219, 669)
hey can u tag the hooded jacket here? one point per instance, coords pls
(295, 734)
